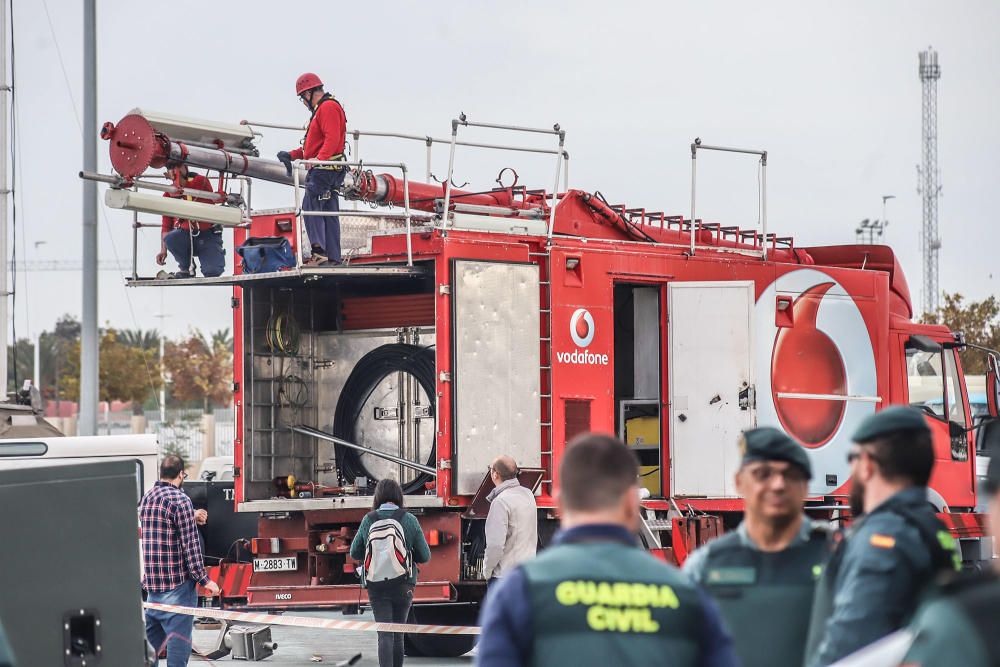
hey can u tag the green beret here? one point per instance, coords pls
(770, 444)
(890, 420)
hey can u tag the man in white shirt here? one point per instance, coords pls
(512, 523)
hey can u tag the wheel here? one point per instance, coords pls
(441, 646)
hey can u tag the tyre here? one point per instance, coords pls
(441, 646)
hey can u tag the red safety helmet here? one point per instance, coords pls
(307, 82)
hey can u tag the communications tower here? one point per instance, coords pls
(929, 180)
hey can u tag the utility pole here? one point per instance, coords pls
(89, 342)
(163, 373)
(929, 186)
(4, 192)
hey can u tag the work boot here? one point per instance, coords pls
(180, 274)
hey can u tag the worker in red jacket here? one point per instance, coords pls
(184, 238)
(324, 140)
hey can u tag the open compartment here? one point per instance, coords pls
(351, 360)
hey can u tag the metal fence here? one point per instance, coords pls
(180, 432)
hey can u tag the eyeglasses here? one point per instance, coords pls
(184, 474)
(765, 473)
(856, 454)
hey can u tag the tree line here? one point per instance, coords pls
(198, 368)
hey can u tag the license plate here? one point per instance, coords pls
(284, 564)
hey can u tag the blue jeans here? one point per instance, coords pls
(172, 629)
(321, 195)
(207, 246)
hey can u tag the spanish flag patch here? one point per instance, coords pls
(882, 541)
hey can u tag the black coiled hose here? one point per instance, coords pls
(369, 372)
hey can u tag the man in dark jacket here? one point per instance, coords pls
(595, 597)
(895, 547)
(772, 560)
(959, 627)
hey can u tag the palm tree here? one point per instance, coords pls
(144, 340)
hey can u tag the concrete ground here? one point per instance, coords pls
(297, 646)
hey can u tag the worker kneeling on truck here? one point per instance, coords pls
(763, 574)
(186, 239)
(595, 597)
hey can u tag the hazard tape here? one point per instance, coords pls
(311, 622)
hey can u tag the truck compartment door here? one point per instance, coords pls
(496, 368)
(710, 383)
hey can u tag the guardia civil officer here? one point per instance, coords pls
(961, 626)
(595, 597)
(895, 548)
(763, 574)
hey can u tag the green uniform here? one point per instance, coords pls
(765, 597)
(877, 574)
(961, 627)
(608, 603)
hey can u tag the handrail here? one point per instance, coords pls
(560, 154)
(350, 163)
(695, 145)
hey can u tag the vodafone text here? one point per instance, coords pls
(579, 356)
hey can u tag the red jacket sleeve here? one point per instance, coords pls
(332, 123)
(296, 153)
(168, 222)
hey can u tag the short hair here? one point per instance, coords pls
(504, 468)
(171, 466)
(387, 491)
(596, 471)
(904, 455)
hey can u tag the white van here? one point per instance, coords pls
(45, 451)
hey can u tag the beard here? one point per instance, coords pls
(857, 498)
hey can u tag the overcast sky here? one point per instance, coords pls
(829, 89)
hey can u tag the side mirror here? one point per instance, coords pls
(993, 387)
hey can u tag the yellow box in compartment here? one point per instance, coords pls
(640, 431)
(649, 478)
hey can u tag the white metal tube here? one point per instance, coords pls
(427, 170)
(406, 208)
(228, 216)
(276, 126)
(515, 128)
(135, 245)
(357, 156)
(566, 172)
(694, 172)
(36, 378)
(555, 190)
(5, 318)
(451, 167)
(763, 201)
(298, 217)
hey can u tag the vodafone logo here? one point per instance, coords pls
(581, 327)
(815, 380)
(581, 330)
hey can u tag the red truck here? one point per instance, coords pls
(506, 321)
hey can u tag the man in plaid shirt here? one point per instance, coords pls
(172, 561)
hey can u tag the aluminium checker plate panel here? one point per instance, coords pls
(496, 374)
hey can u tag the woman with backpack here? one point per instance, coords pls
(389, 542)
